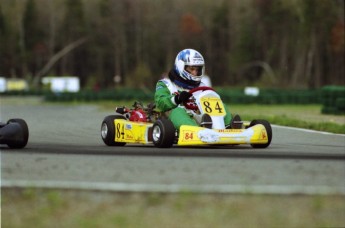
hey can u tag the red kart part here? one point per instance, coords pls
(138, 116)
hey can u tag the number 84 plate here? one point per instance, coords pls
(212, 106)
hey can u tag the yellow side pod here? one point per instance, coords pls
(131, 132)
(190, 135)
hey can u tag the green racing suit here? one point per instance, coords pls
(165, 102)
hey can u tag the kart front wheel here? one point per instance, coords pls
(268, 128)
(108, 130)
(22, 136)
(163, 133)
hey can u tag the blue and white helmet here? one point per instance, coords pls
(189, 57)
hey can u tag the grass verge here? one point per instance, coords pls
(301, 116)
(68, 208)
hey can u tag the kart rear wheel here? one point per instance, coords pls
(268, 127)
(22, 139)
(108, 130)
(163, 133)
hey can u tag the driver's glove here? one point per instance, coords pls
(182, 97)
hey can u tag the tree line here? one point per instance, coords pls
(266, 43)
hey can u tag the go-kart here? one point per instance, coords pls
(14, 133)
(146, 125)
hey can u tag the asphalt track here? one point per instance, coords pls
(65, 151)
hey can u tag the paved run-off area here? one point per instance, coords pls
(65, 150)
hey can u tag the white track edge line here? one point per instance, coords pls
(307, 130)
(176, 188)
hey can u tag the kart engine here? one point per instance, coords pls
(138, 115)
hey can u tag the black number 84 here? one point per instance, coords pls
(209, 109)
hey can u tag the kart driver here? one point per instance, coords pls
(172, 91)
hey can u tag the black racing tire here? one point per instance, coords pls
(268, 127)
(163, 133)
(21, 141)
(108, 130)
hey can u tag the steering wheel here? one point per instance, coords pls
(200, 88)
(192, 105)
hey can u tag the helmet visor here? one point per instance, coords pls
(194, 70)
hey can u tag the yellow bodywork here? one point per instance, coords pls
(191, 135)
(140, 132)
(131, 132)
